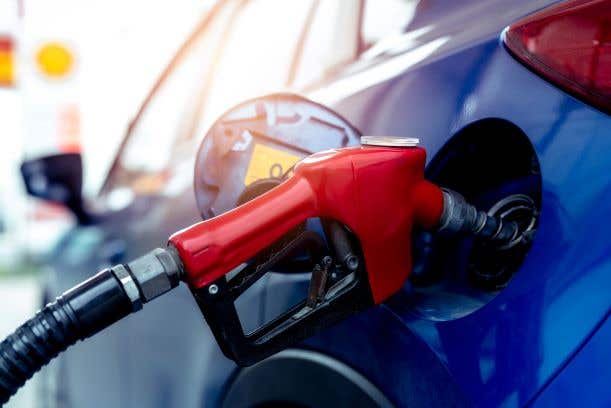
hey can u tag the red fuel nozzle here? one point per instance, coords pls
(378, 192)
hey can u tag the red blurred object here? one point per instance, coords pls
(6, 44)
(7, 63)
(47, 211)
(569, 45)
(378, 192)
(69, 129)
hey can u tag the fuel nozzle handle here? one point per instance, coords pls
(460, 217)
(378, 192)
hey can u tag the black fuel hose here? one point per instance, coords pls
(83, 311)
(459, 216)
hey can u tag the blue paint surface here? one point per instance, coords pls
(503, 353)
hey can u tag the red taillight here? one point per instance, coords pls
(570, 46)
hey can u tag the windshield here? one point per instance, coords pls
(237, 55)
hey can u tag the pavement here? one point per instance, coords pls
(19, 299)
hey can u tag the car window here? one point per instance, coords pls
(246, 52)
(142, 163)
(331, 42)
(385, 18)
(258, 54)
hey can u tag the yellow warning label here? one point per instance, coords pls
(267, 162)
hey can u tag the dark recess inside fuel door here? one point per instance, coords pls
(494, 166)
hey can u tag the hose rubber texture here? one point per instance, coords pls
(76, 315)
(83, 311)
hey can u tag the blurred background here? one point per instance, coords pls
(103, 106)
(72, 74)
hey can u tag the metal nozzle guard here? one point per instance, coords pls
(390, 141)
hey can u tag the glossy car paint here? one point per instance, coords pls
(545, 332)
(508, 351)
(592, 361)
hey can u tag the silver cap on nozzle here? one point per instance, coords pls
(390, 141)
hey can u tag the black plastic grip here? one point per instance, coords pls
(345, 294)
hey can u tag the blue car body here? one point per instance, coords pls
(508, 351)
(542, 340)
